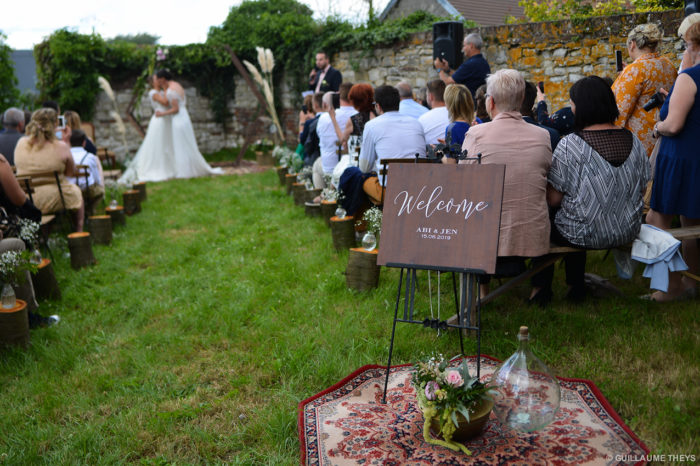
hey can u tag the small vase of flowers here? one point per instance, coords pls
(455, 405)
(13, 268)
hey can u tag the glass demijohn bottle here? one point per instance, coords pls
(526, 394)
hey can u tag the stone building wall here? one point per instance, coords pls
(557, 53)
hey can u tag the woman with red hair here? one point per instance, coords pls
(361, 96)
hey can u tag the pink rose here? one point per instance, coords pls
(430, 389)
(454, 379)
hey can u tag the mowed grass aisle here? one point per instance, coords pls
(221, 306)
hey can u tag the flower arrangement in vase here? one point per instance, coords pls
(455, 405)
(373, 219)
(13, 268)
(29, 233)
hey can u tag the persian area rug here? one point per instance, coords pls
(347, 424)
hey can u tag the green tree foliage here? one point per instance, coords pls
(9, 94)
(141, 38)
(68, 65)
(284, 26)
(554, 10)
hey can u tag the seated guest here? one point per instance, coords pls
(360, 97)
(482, 116)
(408, 106)
(13, 121)
(596, 185)
(328, 139)
(389, 136)
(436, 119)
(95, 188)
(309, 137)
(526, 112)
(526, 152)
(562, 120)
(676, 189)
(422, 97)
(306, 112)
(460, 108)
(40, 153)
(73, 122)
(15, 201)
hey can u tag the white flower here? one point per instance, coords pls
(104, 84)
(254, 72)
(270, 60)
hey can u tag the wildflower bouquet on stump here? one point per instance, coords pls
(455, 405)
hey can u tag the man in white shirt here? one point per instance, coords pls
(436, 120)
(94, 190)
(389, 136)
(408, 105)
(328, 136)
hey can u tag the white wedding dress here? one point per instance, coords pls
(154, 159)
(189, 162)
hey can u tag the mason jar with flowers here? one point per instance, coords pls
(455, 405)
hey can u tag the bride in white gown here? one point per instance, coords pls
(187, 160)
(154, 159)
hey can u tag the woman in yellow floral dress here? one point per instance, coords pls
(640, 80)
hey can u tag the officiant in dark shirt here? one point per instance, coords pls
(324, 77)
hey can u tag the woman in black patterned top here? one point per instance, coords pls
(596, 185)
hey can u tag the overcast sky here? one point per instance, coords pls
(175, 21)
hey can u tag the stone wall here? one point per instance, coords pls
(557, 53)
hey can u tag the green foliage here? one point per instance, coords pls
(68, 65)
(9, 94)
(554, 10)
(141, 38)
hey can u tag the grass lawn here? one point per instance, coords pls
(221, 306)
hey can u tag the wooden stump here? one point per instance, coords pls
(141, 188)
(312, 210)
(14, 325)
(44, 281)
(289, 179)
(281, 171)
(343, 231)
(264, 158)
(328, 210)
(101, 229)
(80, 248)
(362, 273)
(117, 215)
(132, 202)
(312, 194)
(299, 192)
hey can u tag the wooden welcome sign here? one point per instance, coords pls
(442, 216)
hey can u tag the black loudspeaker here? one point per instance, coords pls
(691, 6)
(447, 42)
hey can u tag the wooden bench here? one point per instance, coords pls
(557, 252)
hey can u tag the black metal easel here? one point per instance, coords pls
(467, 305)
